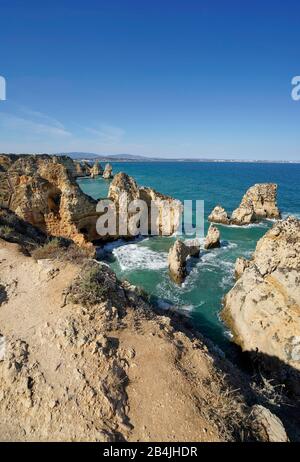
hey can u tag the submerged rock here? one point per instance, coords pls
(177, 257)
(107, 174)
(212, 239)
(266, 427)
(262, 309)
(219, 215)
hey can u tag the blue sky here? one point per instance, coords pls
(163, 78)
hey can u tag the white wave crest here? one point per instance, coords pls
(132, 256)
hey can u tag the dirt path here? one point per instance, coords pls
(77, 374)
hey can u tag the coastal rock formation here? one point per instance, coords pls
(123, 183)
(96, 170)
(42, 191)
(102, 366)
(262, 310)
(267, 427)
(219, 215)
(241, 264)
(161, 213)
(212, 239)
(259, 202)
(107, 174)
(177, 257)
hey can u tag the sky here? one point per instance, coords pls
(197, 79)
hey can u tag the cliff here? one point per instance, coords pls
(42, 191)
(263, 308)
(84, 357)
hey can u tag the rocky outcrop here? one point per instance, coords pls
(262, 310)
(212, 239)
(259, 202)
(96, 170)
(266, 426)
(163, 213)
(177, 258)
(42, 191)
(219, 215)
(107, 174)
(241, 264)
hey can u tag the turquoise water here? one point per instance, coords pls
(144, 262)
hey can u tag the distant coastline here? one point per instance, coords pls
(88, 157)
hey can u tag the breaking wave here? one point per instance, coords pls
(132, 257)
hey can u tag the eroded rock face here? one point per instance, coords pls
(219, 215)
(166, 211)
(96, 170)
(42, 191)
(259, 202)
(177, 257)
(241, 264)
(107, 174)
(266, 426)
(263, 308)
(212, 239)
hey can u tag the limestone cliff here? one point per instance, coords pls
(263, 308)
(164, 212)
(42, 191)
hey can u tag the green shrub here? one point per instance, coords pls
(59, 249)
(51, 250)
(90, 287)
(5, 231)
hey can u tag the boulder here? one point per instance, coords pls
(177, 257)
(212, 239)
(262, 309)
(219, 215)
(266, 427)
(107, 174)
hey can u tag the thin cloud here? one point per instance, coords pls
(107, 134)
(32, 123)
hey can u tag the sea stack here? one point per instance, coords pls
(163, 210)
(212, 239)
(96, 170)
(219, 215)
(259, 202)
(107, 174)
(177, 257)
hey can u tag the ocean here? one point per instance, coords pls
(144, 262)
